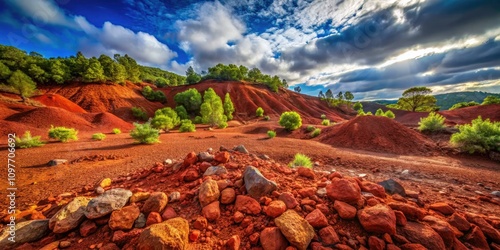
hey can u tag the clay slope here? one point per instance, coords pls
(248, 97)
(55, 100)
(378, 134)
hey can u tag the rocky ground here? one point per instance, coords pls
(231, 199)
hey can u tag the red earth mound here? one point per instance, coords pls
(7, 127)
(55, 100)
(107, 121)
(466, 115)
(378, 134)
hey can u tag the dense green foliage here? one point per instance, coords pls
(181, 112)
(417, 99)
(145, 133)
(154, 96)
(259, 112)
(187, 126)
(446, 101)
(190, 99)
(301, 160)
(28, 141)
(98, 136)
(117, 131)
(432, 123)
(389, 114)
(310, 128)
(479, 136)
(357, 106)
(139, 113)
(379, 112)
(337, 100)
(161, 77)
(22, 84)
(463, 105)
(197, 120)
(191, 76)
(316, 132)
(63, 134)
(290, 120)
(166, 119)
(325, 122)
(271, 134)
(212, 111)
(491, 99)
(228, 107)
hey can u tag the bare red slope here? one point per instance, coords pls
(55, 100)
(378, 134)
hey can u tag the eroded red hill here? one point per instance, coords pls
(55, 100)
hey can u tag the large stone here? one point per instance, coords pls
(459, 222)
(306, 172)
(476, 238)
(373, 188)
(442, 228)
(345, 210)
(155, 203)
(256, 184)
(211, 211)
(442, 207)
(140, 222)
(295, 229)
(411, 212)
(289, 200)
(317, 219)
(70, 216)
(422, 234)
(233, 243)
(378, 219)
(190, 159)
(123, 219)
(275, 208)
(106, 182)
(247, 205)
(26, 231)
(209, 192)
(487, 229)
(228, 196)
(107, 202)
(393, 187)
(376, 243)
(329, 236)
(344, 190)
(215, 170)
(171, 234)
(271, 238)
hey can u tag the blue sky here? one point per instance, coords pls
(375, 48)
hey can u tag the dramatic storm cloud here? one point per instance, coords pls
(375, 49)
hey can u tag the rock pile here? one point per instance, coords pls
(236, 200)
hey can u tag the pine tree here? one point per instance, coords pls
(94, 72)
(212, 111)
(22, 83)
(228, 107)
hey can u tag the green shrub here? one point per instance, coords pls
(117, 131)
(187, 126)
(63, 134)
(491, 100)
(379, 112)
(161, 82)
(357, 106)
(190, 99)
(162, 122)
(432, 123)
(301, 160)
(168, 112)
(222, 125)
(267, 118)
(479, 136)
(28, 141)
(325, 122)
(368, 113)
(197, 120)
(139, 113)
(181, 112)
(310, 128)
(259, 112)
(154, 96)
(290, 120)
(389, 114)
(145, 133)
(316, 132)
(98, 136)
(323, 116)
(463, 105)
(271, 133)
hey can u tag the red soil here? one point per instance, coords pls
(55, 100)
(378, 134)
(466, 115)
(107, 121)
(44, 117)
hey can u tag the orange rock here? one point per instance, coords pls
(211, 211)
(442, 208)
(378, 219)
(222, 157)
(275, 208)
(317, 219)
(306, 172)
(271, 238)
(233, 243)
(247, 204)
(153, 218)
(345, 210)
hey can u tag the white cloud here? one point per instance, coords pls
(42, 12)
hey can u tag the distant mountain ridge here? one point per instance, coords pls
(445, 101)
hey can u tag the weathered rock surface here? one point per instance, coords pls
(393, 187)
(106, 203)
(170, 234)
(422, 234)
(295, 229)
(70, 216)
(344, 190)
(123, 219)
(378, 219)
(246, 204)
(256, 184)
(209, 192)
(271, 238)
(26, 231)
(155, 203)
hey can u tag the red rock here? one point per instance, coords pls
(487, 229)
(233, 243)
(457, 245)
(123, 219)
(194, 234)
(271, 238)
(442, 208)
(306, 172)
(459, 222)
(222, 157)
(413, 246)
(422, 234)
(318, 246)
(247, 204)
(209, 192)
(374, 188)
(211, 211)
(238, 217)
(442, 228)
(168, 213)
(155, 203)
(400, 218)
(254, 238)
(153, 218)
(289, 200)
(328, 236)
(344, 190)
(200, 223)
(345, 210)
(204, 166)
(222, 184)
(191, 175)
(275, 208)
(392, 247)
(87, 228)
(476, 238)
(307, 192)
(191, 158)
(378, 219)
(372, 202)
(120, 237)
(228, 196)
(411, 213)
(317, 219)
(376, 243)
(110, 246)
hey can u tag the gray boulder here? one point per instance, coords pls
(26, 231)
(215, 170)
(106, 203)
(205, 156)
(393, 187)
(256, 184)
(70, 216)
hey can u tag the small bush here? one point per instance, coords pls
(290, 120)
(154, 96)
(259, 112)
(432, 123)
(316, 132)
(181, 112)
(479, 136)
(162, 122)
(358, 106)
(144, 133)
(271, 134)
(222, 125)
(323, 116)
(310, 128)
(389, 114)
(463, 105)
(301, 160)
(63, 134)
(267, 118)
(325, 122)
(117, 131)
(379, 112)
(491, 100)
(368, 113)
(139, 113)
(28, 141)
(187, 126)
(98, 136)
(197, 120)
